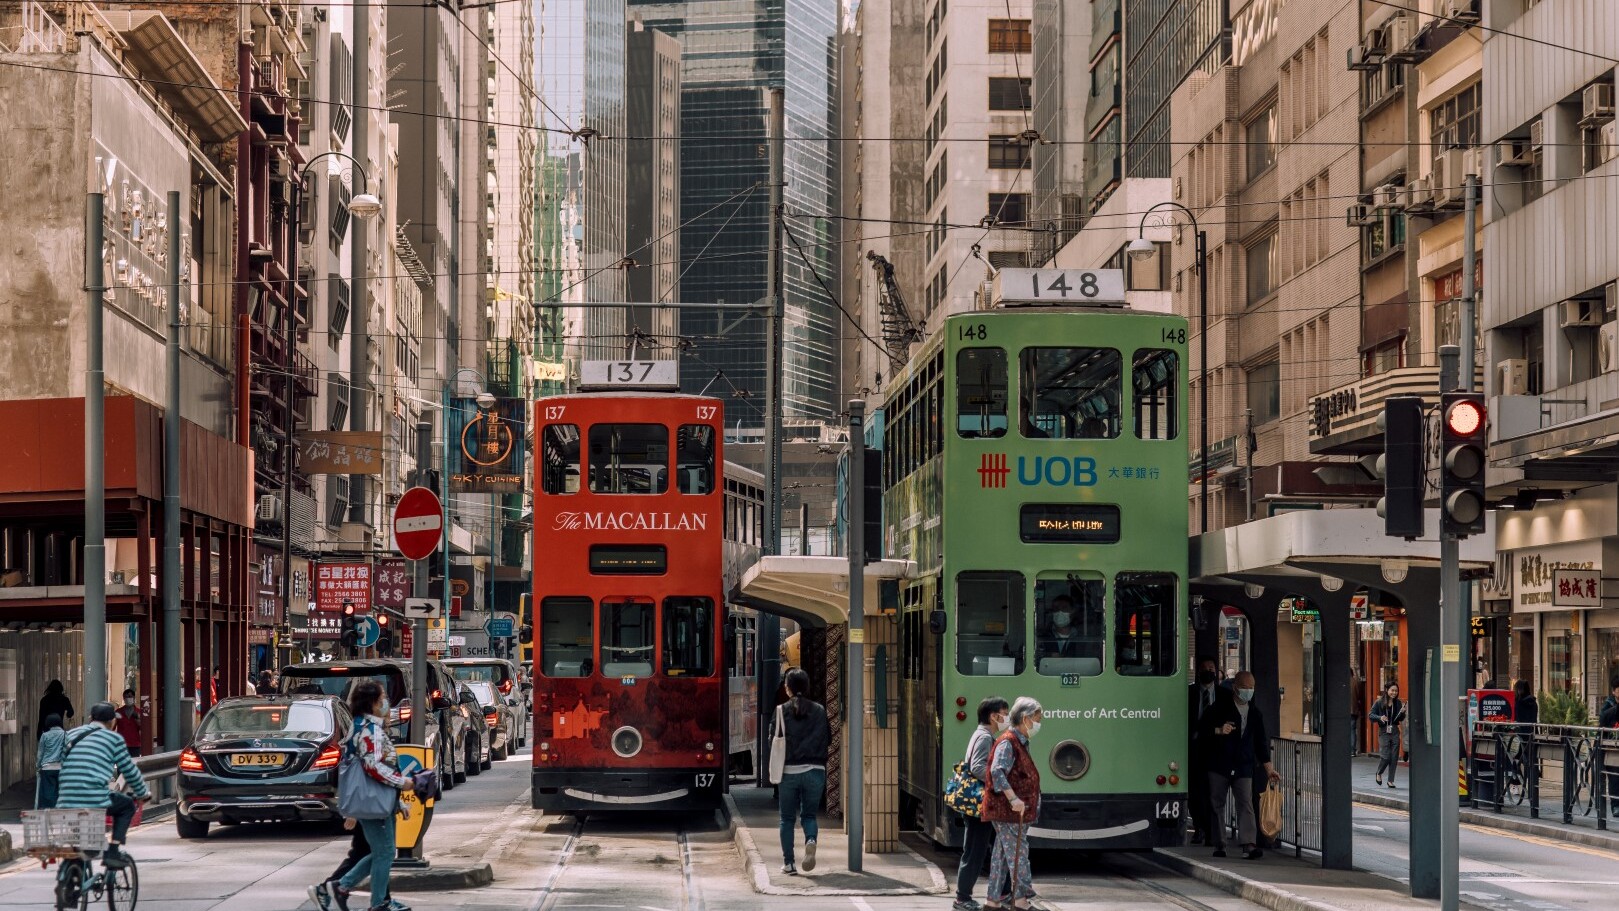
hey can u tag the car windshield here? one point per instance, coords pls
(339, 681)
(304, 720)
(484, 690)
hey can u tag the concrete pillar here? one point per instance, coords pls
(1422, 632)
(1337, 789)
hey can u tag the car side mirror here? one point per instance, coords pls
(442, 702)
(511, 702)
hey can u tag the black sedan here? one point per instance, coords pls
(262, 759)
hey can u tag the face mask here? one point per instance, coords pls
(1204, 678)
(1002, 725)
(1060, 618)
(129, 702)
(383, 708)
(1034, 729)
(1246, 694)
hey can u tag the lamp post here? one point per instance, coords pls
(364, 207)
(1142, 249)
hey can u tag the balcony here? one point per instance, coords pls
(1343, 421)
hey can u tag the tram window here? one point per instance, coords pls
(1155, 388)
(694, 460)
(989, 623)
(627, 638)
(629, 458)
(688, 637)
(1070, 617)
(565, 636)
(981, 393)
(1144, 625)
(559, 458)
(1070, 393)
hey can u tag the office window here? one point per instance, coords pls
(1008, 152)
(1260, 136)
(1265, 392)
(1454, 122)
(1261, 268)
(1009, 36)
(1009, 208)
(1007, 93)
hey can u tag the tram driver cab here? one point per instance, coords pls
(1068, 637)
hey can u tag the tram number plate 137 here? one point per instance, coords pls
(705, 779)
(1070, 679)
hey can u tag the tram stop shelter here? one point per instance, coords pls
(1327, 556)
(814, 592)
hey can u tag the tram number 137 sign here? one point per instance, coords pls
(1059, 287)
(630, 374)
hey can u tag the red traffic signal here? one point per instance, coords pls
(1464, 417)
(348, 608)
(382, 619)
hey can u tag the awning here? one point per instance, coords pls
(814, 591)
(177, 75)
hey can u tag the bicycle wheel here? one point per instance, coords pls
(123, 886)
(1584, 794)
(1515, 785)
(71, 894)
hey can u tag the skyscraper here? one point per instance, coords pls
(731, 54)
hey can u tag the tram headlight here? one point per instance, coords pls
(545, 747)
(626, 742)
(709, 746)
(1174, 767)
(1070, 760)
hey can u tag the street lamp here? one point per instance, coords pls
(363, 206)
(1142, 249)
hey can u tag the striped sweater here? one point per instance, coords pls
(95, 757)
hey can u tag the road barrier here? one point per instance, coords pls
(1575, 769)
(1298, 760)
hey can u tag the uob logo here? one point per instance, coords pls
(1077, 471)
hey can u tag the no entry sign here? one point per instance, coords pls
(418, 523)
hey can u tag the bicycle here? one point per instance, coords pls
(75, 839)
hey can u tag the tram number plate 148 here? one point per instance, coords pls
(1070, 679)
(1167, 809)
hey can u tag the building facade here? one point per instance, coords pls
(652, 169)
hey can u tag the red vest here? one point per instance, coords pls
(1024, 778)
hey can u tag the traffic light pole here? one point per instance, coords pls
(1452, 618)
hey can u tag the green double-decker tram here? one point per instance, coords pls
(1035, 462)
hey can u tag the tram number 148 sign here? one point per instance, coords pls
(1060, 287)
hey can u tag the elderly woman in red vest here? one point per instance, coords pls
(1011, 804)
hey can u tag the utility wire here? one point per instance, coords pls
(829, 292)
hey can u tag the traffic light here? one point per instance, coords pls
(351, 628)
(1401, 466)
(1463, 421)
(385, 636)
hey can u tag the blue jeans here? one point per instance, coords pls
(379, 834)
(47, 789)
(800, 797)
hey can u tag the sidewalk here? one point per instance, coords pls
(1282, 882)
(1583, 830)
(755, 824)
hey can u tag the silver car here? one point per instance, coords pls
(502, 713)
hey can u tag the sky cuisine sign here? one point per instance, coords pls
(630, 521)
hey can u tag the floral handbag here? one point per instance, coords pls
(964, 793)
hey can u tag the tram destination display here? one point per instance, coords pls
(1069, 523)
(629, 559)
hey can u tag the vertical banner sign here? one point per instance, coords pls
(390, 584)
(339, 582)
(486, 446)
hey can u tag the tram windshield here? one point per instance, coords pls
(1070, 393)
(1069, 628)
(694, 458)
(1155, 384)
(629, 458)
(627, 638)
(559, 459)
(565, 636)
(989, 623)
(1144, 627)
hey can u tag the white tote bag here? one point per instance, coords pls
(778, 750)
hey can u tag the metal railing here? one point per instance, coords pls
(1574, 769)
(160, 770)
(1298, 761)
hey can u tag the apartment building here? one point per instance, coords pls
(652, 222)
(1548, 136)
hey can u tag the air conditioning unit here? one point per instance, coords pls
(1400, 30)
(1417, 195)
(1610, 298)
(1597, 102)
(270, 509)
(1371, 53)
(1387, 196)
(1461, 10)
(1359, 217)
(1515, 153)
(1579, 313)
(1608, 144)
(1512, 376)
(1608, 348)
(1537, 132)
(1449, 169)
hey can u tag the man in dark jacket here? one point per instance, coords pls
(1238, 749)
(1201, 698)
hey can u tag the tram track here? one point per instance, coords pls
(1116, 873)
(611, 866)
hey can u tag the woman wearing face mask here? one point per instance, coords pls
(993, 720)
(1012, 804)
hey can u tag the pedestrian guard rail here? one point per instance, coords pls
(1572, 768)
(1298, 760)
(160, 770)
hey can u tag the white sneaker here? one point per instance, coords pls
(809, 855)
(789, 869)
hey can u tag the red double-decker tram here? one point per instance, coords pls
(630, 692)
